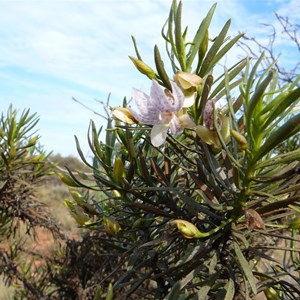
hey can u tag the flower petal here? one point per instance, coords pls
(206, 135)
(208, 115)
(185, 121)
(159, 98)
(189, 99)
(175, 125)
(188, 80)
(148, 119)
(142, 100)
(123, 114)
(178, 96)
(159, 134)
(225, 127)
(149, 113)
(167, 101)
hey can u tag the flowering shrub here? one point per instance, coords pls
(188, 190)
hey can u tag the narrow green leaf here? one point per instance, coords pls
(159, 173)
(291, 127)
(197, 207)
(170, 20)
(122, 137)
(280, 159)
(229, 88)
(210, 56)
(257, 97)
(161, 69)
(251, 77)
(110, 294)
(245, 267)
(81, 153)
(232, 73)
(175, 292)
(223, 51)
(203, 291)
(98, 293)
(11, 135)
(135, 48)
(230, 290)
(111, 137)
(165, 35)
(285, 102)
(179, 40)
(272, 104)
(202, 51)
(200, 103)
(199, 37)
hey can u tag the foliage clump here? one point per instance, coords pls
(22, 167)
(197, 199)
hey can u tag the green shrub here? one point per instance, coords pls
(22, 166)
(195, 201)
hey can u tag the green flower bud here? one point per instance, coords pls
(32, 141)
(271, 294)
(77, 196)
(204, 46)
(119, 170)
(295, 224)
(111, 226)
(143, 68)
(240, 139)
(142, 222)
(12, 152)
(77, 213)
(67, 179)
(116, 193)
(225, 127)
(82, 202)
(187, 229)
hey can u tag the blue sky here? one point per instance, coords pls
(51, 51)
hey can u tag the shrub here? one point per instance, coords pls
(22, 166)
(192, 200)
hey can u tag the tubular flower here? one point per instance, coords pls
(190, 85)
(187, 229)
(123, 114)
(111, 226)
(162, 109)
(208, 132)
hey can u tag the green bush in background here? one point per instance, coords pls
(23, 165)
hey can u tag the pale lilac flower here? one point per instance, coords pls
(161, 109)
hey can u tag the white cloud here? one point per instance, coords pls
(53, 50)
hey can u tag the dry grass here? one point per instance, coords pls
(53, 195)
(6, 293)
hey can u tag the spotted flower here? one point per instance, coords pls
(163, 109)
